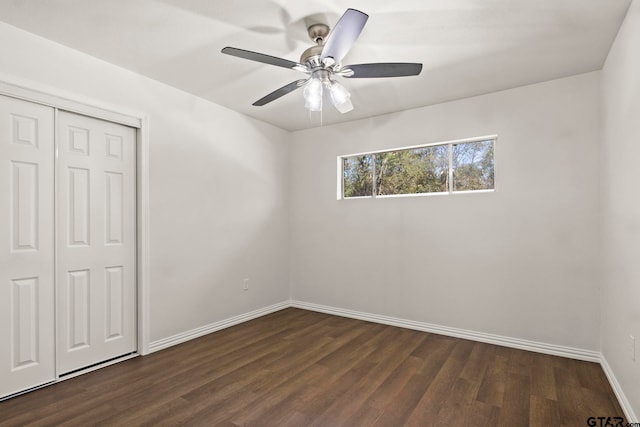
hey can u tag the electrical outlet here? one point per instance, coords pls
(245, 284)
(632, 347)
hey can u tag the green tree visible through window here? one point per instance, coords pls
(421, 170)
(357, 176)
(472, 164)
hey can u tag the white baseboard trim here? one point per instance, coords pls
(617, 389)
(216, 326)
(538, 347)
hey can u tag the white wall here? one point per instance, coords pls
(521, 262)
(219, 209)
(620, 300)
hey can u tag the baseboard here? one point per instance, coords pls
(556, 350)
(538, 347)
(216, 326)
(617, 389)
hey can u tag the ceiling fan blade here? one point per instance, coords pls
(343, 35)
(381, 69)
(280, 92)
(260, 57)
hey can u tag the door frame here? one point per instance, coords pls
(60, 100)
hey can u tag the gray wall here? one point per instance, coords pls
(620, 300)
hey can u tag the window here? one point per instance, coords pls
(357, 175)
(457, 166)
(472, 166)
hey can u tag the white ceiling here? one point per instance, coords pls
(468, 47)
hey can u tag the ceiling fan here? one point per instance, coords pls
(323, 62)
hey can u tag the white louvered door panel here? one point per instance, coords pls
(96, 270)
(26, 245)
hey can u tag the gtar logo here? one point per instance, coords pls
(605, 422)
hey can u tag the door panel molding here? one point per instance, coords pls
(24, 205)
(24, 323)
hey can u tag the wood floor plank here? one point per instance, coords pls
(394, 383)
(543, 383)
(478, 362)
(343, 373)
(573, 409)
(516, 405)
(302, 368)
(479, 414)
(492, 387)
(391, 349)
(543, 412)
(441, 387)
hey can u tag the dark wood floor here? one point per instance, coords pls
(300, 368)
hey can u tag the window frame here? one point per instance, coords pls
(450, 191)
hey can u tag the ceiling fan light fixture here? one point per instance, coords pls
(340, 97)
(313, 95)
(324, 60)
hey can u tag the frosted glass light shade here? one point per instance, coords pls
(340, 97)
(313, 95)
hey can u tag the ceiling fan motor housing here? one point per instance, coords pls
(311, 56)
(318, 34)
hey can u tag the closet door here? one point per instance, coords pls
(96, 270)
(26, 245)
